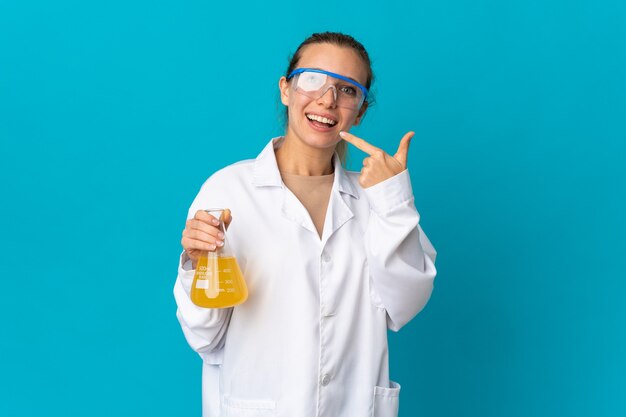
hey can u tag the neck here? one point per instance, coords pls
(296, 157)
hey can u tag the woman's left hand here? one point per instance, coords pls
(379, 165)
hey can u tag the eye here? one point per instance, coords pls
(311, 81)
(348, 90)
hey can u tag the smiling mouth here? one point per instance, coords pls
(324, 121)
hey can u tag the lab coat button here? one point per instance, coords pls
(325, 379)
(326, 258)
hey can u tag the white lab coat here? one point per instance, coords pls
(311, 340)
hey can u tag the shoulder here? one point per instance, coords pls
(385, 195)
(353, 176)
(234, 172)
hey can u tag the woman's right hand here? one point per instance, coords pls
(202, 234)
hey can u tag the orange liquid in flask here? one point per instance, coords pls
(218, 282)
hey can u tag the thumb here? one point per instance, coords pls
(403, 149)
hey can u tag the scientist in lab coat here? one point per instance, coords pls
(331, 258)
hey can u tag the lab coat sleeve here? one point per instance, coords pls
(204, 328)
(400, 256)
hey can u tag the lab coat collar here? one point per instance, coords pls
(266, 173)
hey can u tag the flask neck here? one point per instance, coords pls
(224, 251)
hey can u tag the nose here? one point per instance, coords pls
(329, 100)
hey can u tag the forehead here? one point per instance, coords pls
(338, 59)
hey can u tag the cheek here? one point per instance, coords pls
(349, 117)
(297, 103)
(294, 111)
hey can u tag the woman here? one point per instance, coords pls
(331, 258)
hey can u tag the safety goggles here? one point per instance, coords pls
(314, 83)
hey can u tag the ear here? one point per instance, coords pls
(283, 86)
(361, 113)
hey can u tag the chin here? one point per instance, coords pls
(322, 141)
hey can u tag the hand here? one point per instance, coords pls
(379, 166)
(202, 234)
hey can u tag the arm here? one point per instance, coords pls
(400, 256)
(204, 328)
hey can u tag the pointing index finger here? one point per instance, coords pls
(359, 143)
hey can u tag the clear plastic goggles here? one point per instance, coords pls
(314, 83)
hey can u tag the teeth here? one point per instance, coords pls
(321, 119)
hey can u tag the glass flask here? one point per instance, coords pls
(218, 281)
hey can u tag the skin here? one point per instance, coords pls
(201, 234)
(380, 166)
(306, 151)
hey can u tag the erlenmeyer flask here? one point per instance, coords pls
(218, 281)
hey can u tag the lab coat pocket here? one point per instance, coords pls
(386, 401)
(235, 407)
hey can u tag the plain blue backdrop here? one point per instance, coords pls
(113, 113)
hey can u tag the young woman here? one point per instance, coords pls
(332, 258)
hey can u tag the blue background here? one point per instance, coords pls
(113, 113)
